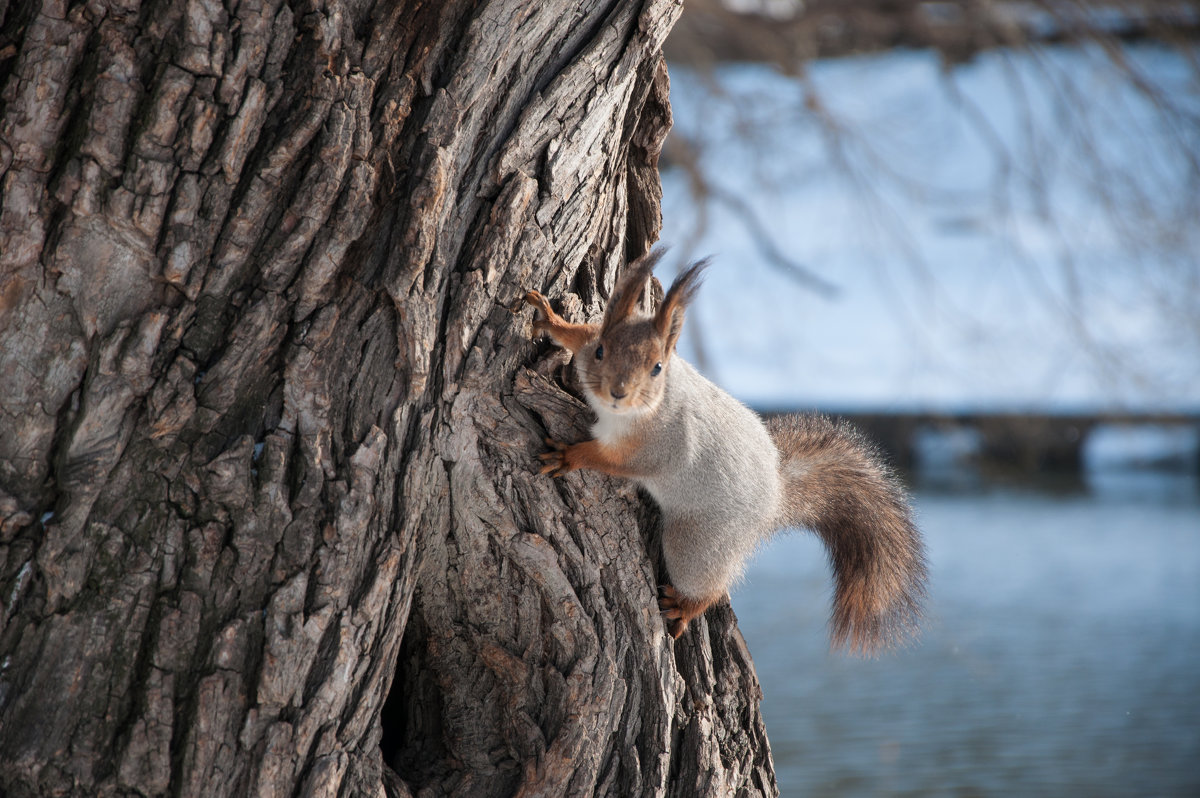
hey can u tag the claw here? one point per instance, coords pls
(556, 464)
(541, 322)
(668, 604)
(538, 301)
(669, 607)
(676, 610)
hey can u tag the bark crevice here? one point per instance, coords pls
(275, 408)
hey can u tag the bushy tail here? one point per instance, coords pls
(836, 485)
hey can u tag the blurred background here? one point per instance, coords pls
(974, 229)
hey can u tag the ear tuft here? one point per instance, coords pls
(628, 291)
(669, 318)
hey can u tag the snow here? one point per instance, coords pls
(1018, 233)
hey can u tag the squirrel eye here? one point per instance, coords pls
(600, 352)
(654, 372)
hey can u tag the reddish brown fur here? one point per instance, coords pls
(572, 337)
(836, 486)
(565, 458)
(669, 318)
(680, 610)
(628, 353)
(629, 289)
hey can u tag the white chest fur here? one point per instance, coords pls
(610, 428)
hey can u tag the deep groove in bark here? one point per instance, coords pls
(290, 525)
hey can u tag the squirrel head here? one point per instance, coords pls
(624, 371)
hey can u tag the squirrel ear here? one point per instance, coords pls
(629, 287)
(669, 318)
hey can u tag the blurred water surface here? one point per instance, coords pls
(1061, 655)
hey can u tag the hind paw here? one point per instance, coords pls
(678, 610)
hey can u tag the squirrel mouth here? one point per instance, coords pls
(622, 406)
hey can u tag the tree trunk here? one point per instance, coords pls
(270, 408)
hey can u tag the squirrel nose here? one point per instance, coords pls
(619, 393)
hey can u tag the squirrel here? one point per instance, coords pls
(725, 481)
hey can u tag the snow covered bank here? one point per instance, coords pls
(1019, 233)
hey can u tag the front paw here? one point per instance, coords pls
(557, 461)
(536, 299)
(541, 322)
(540, 302)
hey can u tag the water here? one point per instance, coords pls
(1061, 656)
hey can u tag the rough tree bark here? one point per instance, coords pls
(268, 418)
